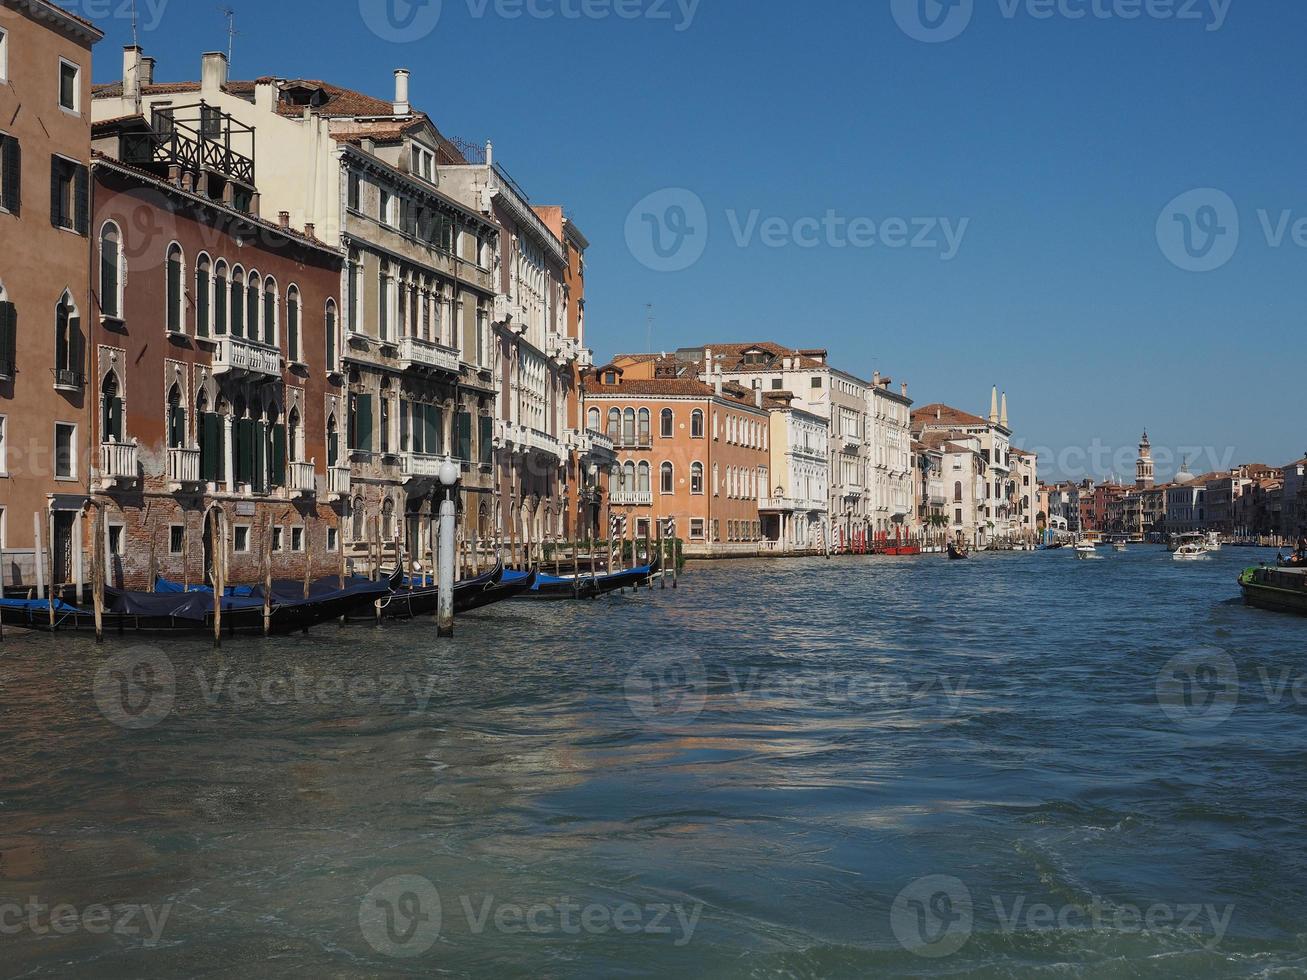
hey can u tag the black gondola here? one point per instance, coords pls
(583, 587)
(954, 554)
(406, 602)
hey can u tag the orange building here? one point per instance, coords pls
(689, 451)
(45, 153)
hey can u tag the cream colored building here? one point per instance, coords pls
(795, 511)
(889, 447)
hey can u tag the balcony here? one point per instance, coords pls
(118, 463)
(781, 504)
(523, 438)
(419, 466)
(184, 468)
(339, 482)
(235, 355)
(65, 380)
(632, 498)
(302, 479)
(427, 356)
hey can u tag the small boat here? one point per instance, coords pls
(1086, 551)
(1213, 541)
(956, 554)
(593, 586)
(1293, 561)
(1192, 552)
(1119, 545)
(1275, 589)
(413, 598)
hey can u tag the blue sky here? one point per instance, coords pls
(1052, 146)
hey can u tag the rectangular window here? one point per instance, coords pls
(70, 87)
(115, 540)
(297, 539)
(4, 56)
(385, 425)
(332, 539)
(360, 423)
(816, 382)
(278, 541)
(387, 207)
(176, 539)
(69, 195)
(696, 529)
(487, 440)
(241, 539)
(8, 339)
(65, 451)
(11, 173)
(464, 435)
(355, 193)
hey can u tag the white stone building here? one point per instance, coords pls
(795, 510)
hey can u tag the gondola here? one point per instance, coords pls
(954, 554)
(410, 597)
(1292, 561)
(164, 614)
(591, 587)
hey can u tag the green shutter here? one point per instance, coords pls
(487, 440)
(363, 424)
(332, 452)
(260, 481)
(8, 337)
(251, 312)
(293, 329)
(237, 292)
(279, 456)
(403, 427)
(12, 162)
(210, 447)
(464, 436)
(56, 191)
(82, 210)
(433, 434)
(176, 426)
(270, 319)
(331, 340)
(219, 305)
(109, 278)
(201, 302)
(116, 418)
(174, 294)
(76, 348)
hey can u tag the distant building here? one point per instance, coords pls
(795, 507)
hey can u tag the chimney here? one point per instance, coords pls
(310, 230)
(402, 107)
(490, 154)
(1002, 419)
(993, 406)
(132, 72)
(147, 71)
(757, 397)
(707, 360)
(875, 378)
(717, 384)
(786, 363)
(284, 218)
(213, 72)
(904, 389)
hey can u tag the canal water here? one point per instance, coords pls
(1019, 765)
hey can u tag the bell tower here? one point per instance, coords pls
(1144, 464)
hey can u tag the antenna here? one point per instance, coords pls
(232, 33)
(135, 39)
(649, 325)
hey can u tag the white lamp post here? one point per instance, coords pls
(449, 474)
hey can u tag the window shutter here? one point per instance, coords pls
(293, 329)
(278, 466)
(56, 192)
(270, 319)
(487, 440)
(76, 348)
(403, 427)
(13, 174)
(8, 337)
(433, 433)
(176, 426)
(174, 294)
(363, 424)
(251, 312)
(260, 463)
(201, 302)
(210, 447)
(219, 305)
(82, 211)
(332, 452)
(465, 436)
(331, 341)
(116, 419)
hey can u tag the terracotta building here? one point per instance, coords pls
(209, 352)
(686, 450)
(45, 221)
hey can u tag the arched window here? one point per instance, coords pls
(696, 424)
(628, 427)
(68, 346)
(615, 424)
(237, 302)
(270, 312)
(592, 420)
(203, 301)
(666, 478)
(643, 470)
(333, 441)
(220, 308)
(696, 478)
(176, 291)
(645, 438)
(957, 492)
(666, 424)
(111, 271)
(176, 419)
(628, 476)
(330, 326)
(294, 437)
(293, 323)
(111, 410)
(356, 513)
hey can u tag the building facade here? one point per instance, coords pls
(45, 302)
(889, 449)
(697, 453)
(795, 505)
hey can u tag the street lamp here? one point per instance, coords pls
(448, 475)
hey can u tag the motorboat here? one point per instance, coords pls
(1086, 551)
(1192, 552)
